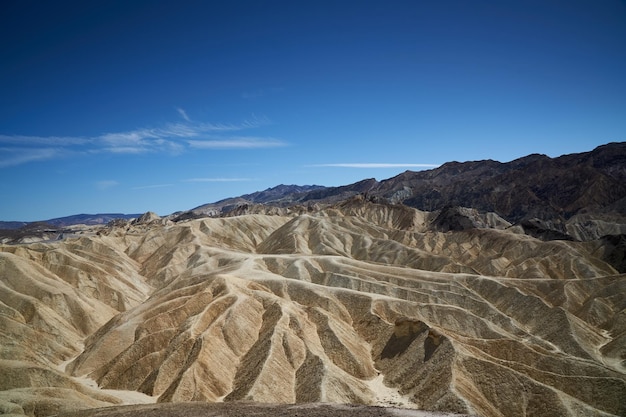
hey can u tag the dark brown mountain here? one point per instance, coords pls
(573, 197)
(533, 186)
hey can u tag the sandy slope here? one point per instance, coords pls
(362, 304)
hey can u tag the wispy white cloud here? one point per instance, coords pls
(183, 114)
(237, 142)
(48, 141)
(254, 122)
(125, 149)
(171, 138)
(106, 184)
(377, 165)
(18, 156)
(217, 179)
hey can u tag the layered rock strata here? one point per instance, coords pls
(359, 303)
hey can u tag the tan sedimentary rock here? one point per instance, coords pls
(318, 307)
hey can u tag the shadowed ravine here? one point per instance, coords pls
(314, 308)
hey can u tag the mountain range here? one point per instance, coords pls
(535, 186)
(476, 288)
(87, 219)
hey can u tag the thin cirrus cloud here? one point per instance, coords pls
(18, 156)
(172, 138)
(236, 142)
(183, 114)
(377, 165)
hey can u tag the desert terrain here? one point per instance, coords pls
(357, 303)
(354, 300)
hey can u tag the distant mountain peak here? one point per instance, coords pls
(533, 186)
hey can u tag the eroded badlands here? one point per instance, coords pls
(359, 303)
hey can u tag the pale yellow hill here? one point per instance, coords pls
(360, 303)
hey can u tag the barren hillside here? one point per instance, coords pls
(361, 303)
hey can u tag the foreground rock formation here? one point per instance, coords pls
(200, 409)
(454, 310)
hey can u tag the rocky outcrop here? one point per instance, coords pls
(361, 302)
(535, 186)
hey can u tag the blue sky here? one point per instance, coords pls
(130, 106)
